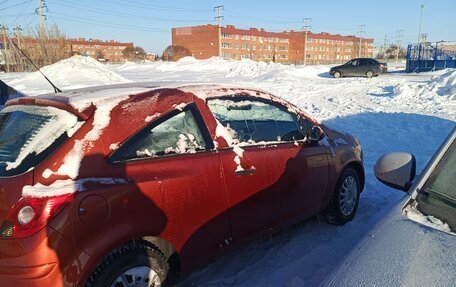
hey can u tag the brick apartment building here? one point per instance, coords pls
(109, 50)
(256, 44)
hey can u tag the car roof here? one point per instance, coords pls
(78, 101)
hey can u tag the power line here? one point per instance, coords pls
(125, 15)
(258, 19)
(106, 24)
(157, 7)
(15, 5)
(21, 13)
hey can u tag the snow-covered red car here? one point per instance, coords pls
(129, 185)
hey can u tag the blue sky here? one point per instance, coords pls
(148, 23)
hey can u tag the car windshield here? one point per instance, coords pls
(438, 196)
(27, 134)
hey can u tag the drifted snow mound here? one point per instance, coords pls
(445, 84)
(74, 72)
(258, 70)
(273, 71)
(404, 90)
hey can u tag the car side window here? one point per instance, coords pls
(355, 63)
(252, 121)
(438, 195)
(363, 62)
(178, 134)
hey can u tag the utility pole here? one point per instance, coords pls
(17, 34)
(5, 44)
(39, 11)
(420, 38)
(399, 35)
(385, 44)
(219, 18)
(361, 30)
(306, 27)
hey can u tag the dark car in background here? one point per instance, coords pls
(414, 245)
(359, 67)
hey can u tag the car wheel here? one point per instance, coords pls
(337, 74)
(345, 199)
(369, 74)
(135, 264)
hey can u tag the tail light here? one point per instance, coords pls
(29, 215)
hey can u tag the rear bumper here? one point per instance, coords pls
(38, 261)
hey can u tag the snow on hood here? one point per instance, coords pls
(71, 73)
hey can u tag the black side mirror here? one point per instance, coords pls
(396, 170)
(316, 134)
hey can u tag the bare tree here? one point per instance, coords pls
(175, 52)
(42, 49)
(134, 53)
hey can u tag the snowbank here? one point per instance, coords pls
(445, 84)
(71, 73)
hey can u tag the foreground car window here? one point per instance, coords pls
(28, 134)
(178, 134)
(438, 197)
(254, 121)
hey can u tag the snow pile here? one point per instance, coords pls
(445, 84)
(71, 73)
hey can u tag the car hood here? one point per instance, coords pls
(337, 67)
(399, 252)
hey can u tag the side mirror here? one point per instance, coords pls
(396, 170)
(316, 133)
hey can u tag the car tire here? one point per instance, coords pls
(133, 264)
(345, 199)
(369, 74)
(337, 74)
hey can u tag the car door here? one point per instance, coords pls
(352, 68)
(249, 163)
(303, 168)
(177, 192)
(366, 65)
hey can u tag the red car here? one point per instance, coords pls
(130, 185)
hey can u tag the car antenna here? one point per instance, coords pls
(56, 90)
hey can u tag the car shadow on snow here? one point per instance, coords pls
(325, 75)
(307, 253)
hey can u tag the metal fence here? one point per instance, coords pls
(427, 57)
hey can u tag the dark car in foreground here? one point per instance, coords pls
(359, 67)
(415, 244)
(129, 185)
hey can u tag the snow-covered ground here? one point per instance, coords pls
(392, 112)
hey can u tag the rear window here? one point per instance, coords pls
(28, 134)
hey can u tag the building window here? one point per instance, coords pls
(228, 36)
(236, 37)
(226, 45)
(226, 56)
(236, 47)
(253, 38)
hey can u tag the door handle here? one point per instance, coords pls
(251, 170)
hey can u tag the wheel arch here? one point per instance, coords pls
(358, 167)
(167, 249)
